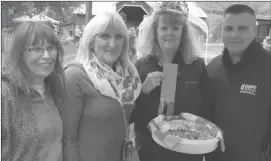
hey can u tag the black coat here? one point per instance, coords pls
(188, 98)
(240, 96)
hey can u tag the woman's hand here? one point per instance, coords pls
(152, 80)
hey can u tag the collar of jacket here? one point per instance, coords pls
(248, 56)
(178, 59)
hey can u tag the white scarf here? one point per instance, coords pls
(120, 85)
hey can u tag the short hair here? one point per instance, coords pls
(33, 33)
(147, 43)
(97, 25)
(238, 9)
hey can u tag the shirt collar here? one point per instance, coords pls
(248, 56)
(178, 59)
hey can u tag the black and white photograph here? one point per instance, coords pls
(136, 80)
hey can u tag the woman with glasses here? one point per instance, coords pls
(32, 85)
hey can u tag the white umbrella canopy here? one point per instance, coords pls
(36, 18)
(198, 22)
(195, 10)
(194, 16)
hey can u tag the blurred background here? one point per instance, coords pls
(68, 19)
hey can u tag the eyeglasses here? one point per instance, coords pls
(50, 49)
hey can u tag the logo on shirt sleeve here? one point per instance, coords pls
(248, 89)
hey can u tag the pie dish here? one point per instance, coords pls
(186, 133)
(186, 129)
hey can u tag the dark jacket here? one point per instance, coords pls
(188, 98)
(240, 95)
(19, 138)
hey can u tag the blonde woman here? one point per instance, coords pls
(167, 37)
(99, 85)
(33, 121)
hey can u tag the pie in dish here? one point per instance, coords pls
(186, 129)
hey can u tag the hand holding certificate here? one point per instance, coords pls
(168, 89)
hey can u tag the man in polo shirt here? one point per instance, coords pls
(240, 90)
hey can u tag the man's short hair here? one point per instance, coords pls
(238, 9)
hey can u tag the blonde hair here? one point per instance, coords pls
(147, 43)
(96, 26)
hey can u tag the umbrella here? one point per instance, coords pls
(36, 18)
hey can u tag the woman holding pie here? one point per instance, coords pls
(167, 38)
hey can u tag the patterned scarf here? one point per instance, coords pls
(119, 85)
